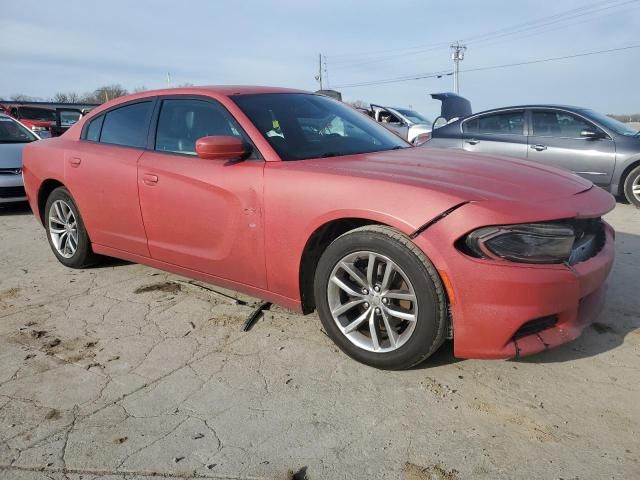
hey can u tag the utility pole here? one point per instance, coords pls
(326, 72)
(457, 55)
(168, 79)
(318, 77)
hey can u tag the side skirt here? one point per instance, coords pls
(290, 303)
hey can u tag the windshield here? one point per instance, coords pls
(612, 124)
(12, 132)
(33, 113)
(300, 126)
(414, 117)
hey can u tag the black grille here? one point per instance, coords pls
(12, 192)
(590, 238)
(536, 325)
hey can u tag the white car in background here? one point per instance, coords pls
(408, 123)
(13, 137)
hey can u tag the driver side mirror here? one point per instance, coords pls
(591, 134)
(221, 148)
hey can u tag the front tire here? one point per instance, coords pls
(632, 187)
(380, 299)
(66, 233)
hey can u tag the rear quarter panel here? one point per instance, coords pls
(42, 160)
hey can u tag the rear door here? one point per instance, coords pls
(499, 133)
(205, 215)
(555, 139)
(101, 172)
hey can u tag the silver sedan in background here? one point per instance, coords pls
(13, 137)
(586, 142)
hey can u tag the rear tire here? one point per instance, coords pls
(359, 302)
(632, 187)
(66, 233)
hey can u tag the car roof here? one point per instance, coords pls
(535, 105)
(222, 90)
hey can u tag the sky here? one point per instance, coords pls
(79, 45)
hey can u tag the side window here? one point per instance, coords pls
(93, 130)
(558, 124)
(388, 117)
(127, 126)
(182, 122)
(509, 123)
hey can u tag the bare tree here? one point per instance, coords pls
(105, 93)
(19, 97)
(66, 97)
(631, 117)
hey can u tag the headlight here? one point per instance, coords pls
(528, 243)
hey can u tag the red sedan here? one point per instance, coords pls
(300, 200)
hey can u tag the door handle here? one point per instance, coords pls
(75, 161)
(473, 141)
(150, 179)
(539, 147)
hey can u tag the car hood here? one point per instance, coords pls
(464, 175)
(11, 155)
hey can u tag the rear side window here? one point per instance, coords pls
(127, 126)
(505, 123)
(93, 130)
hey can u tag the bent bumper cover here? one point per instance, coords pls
(492, 300)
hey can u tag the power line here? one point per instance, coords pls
(526, 27)
(443, 73)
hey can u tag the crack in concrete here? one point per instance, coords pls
(125, 473)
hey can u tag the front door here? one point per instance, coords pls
(498, 133)
(205, 215)
(556, 140)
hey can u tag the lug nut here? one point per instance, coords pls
(377, 310)
(365, 291)
(366, 304)
(376, 288)
(385, 300)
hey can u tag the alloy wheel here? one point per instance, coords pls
(372, 301)
(63, 228)
(635, 188)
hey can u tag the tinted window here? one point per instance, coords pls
(558, 124)
(182, 122)
(300, 126)
(12, 132)
(509, 123)
(35, 113)
(93, 130)
(127, 126)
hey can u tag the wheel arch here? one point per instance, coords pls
(316, 244)
(634, 163)
(46, 187)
